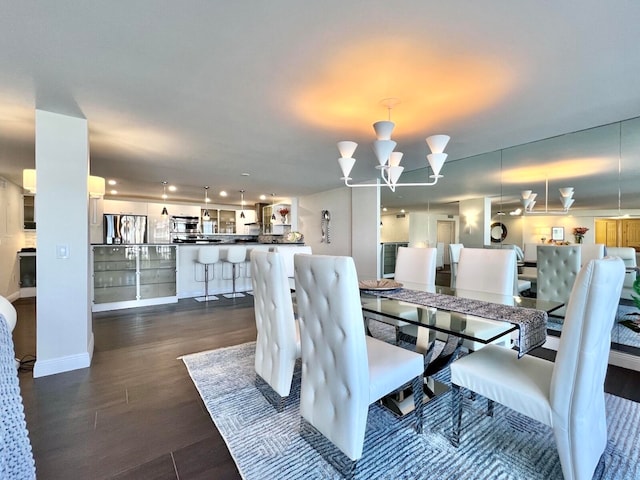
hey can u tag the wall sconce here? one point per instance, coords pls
(471, 221)
(29, 179)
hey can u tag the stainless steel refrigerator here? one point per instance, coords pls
(125, 229)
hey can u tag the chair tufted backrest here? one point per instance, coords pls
(515, 248)
(416, 265)
(486, 270)
(208, 255)
(236, 254)
(8, 311)
(577, 384)
(590, 251)
(277, 343)
(334, 395)
(288, 251)
(454, 258)
(531, 253)
(558, 266)
(628, 256)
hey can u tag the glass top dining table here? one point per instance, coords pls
(463, 325)
(455, 326)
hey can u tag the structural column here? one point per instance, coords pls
(64, 330)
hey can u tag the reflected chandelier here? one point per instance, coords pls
(528, 199)
(389, 161)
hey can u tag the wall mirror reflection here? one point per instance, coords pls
(601, 165)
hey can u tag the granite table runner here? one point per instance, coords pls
(531, 323)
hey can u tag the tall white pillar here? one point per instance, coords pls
(365, 232)
(64, 330)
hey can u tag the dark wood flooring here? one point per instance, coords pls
(135, 414)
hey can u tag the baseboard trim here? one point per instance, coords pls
(617, 358)
(12, 297)
(43, 368)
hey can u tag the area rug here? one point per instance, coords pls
(620, 332)
(265, 444)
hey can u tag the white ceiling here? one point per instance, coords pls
(199, 92)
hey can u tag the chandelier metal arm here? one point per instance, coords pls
(391, 186)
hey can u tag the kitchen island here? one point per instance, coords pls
(126, 276)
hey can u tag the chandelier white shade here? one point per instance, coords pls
(389, 160)
(528, 199)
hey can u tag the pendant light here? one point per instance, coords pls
(242, 203)
(205, 215)
(165, 212)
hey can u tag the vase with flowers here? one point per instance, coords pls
(283, 214)
(578, 233)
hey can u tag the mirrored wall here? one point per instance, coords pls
(602, 165)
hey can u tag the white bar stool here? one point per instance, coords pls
(207, 256)
(235, 255)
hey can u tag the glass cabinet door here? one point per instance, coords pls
(129, 273)
(157, 271)
(114, 274)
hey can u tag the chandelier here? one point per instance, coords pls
(388, 160)
(528, 199)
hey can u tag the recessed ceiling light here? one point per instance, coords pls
(172, 188)
(245, 174)
(263, 197)
(112, 182)
(223, 193)
(402, 211)
(113, 192)
(384, 209)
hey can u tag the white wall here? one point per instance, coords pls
(423, 228)
(64, 336)
(365, 233)
(12, 238)
(338, 202)
(394, 229)
(353, 228)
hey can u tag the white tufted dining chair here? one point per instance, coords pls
(416, 265)
(8, 311)
(343, 371)
(485, 270)
(454, 258)
(567, 395)
(288, 251)
(558, 266)
(415, 268)
(278, 340)
(489, 271)
(590, 251)
(519, 285)
(628, 256)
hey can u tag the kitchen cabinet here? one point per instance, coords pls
(29, 212)
(227, 221)
(241, 223)
(127, 276)
(124, 207)
(272, 220)
(389, 253)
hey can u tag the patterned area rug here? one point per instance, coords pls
(265, 444)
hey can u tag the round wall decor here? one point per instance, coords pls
(498, 232)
